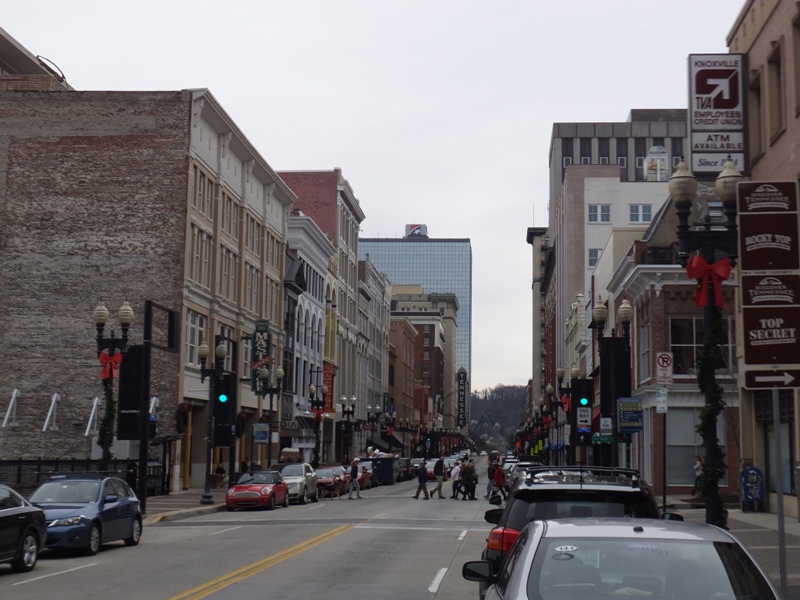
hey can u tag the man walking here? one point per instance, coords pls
(468, 480)
(438, 472)
(422, 479)
(454, 475)
(490, 483)
(354, 480)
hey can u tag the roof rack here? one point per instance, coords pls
(584, 474)
(83, 475)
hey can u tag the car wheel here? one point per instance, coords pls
(271, 504)
(229, 508)
(136, 533)
(315, 497)
(301, 498)
(28, 553)
(285, 500)
(94, 540)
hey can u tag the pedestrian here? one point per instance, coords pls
(245, 465)
(455, 474)
(354, 480)
(500, 482)
(698, 472)
(469, 479)
(438, 472)
(422, 479)
(490, 484)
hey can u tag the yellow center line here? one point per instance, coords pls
(201, 591)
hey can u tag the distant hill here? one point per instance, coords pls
(496, 413)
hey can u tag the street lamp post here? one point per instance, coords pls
(615, 367)
(372, 419)
(264, 390)
(318, 409)
(348, 413)
(110, 351)
(706, 238)
(214, 375)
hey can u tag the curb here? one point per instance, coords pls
(177, 515)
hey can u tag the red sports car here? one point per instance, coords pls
(258, 489)
(330, 482)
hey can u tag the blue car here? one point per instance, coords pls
(87, 510)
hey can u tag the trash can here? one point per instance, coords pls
(131, 475)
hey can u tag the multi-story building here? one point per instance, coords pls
(328, 198)
(137, 196)
(440, 266)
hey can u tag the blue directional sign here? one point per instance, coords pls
(630, 418)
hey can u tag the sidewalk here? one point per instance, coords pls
(182, 505)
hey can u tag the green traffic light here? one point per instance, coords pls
(584, 402)
(223, 398)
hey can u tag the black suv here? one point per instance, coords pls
(544, 492)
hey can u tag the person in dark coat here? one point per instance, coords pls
(422, 478)
(469, 479)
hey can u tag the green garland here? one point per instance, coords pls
(105, 434)
(711, 411)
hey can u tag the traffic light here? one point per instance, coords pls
(584, 392)
(224, 409)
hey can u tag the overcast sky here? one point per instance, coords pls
(437, 112)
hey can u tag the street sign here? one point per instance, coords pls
(630, 415)
(775, 378)
(606, 425)
(598, 438)
(768, 226)
(661, 400)
(584, 419)
(664, 368)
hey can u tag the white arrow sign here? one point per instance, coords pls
(785, 378)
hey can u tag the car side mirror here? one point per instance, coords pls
(478, 570)
(493, 515)
(110, 499)
(672, 516)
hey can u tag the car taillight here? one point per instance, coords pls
(501, 538)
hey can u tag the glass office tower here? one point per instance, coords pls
(438, 265)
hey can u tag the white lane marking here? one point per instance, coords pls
(57, 573)
(225, 530)
(437, 581)
(463, 535)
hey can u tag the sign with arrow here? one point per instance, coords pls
(776, 378)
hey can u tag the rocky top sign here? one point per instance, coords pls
(768, 226)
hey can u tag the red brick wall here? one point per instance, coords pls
(317, 197)
(93, 189)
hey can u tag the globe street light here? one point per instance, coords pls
(214, 375)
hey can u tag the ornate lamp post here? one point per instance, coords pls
(705, 239)
(264, 390)
(214, 374)
(318, 409)
(372, 419)
(348, 413)
(110, 351)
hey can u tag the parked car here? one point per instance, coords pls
(23, 531)
(330, 482)
(258, 489)
(86, 510)
(301, 479)
(613, 558)
(560, 492)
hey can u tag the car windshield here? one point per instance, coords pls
(292, 471)
(326, 473)
(686, 570)
(540, 503)
(66, 492)
(257, 477)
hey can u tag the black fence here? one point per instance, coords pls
(25, 475)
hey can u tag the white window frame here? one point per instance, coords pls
(196, 332)
(593, 257)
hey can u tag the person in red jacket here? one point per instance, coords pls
(500, 481)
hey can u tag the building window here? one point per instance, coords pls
(196, 325)
(227, 339)
(641, 213)
(599, 213)
(643, 362)
(683, 443)
(755, 116)
(247, 350)
(776, 90)
(594, 256)
(686, 343)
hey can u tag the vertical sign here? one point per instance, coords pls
(664, 368)
(461, 379)
(717, 111)
(261, 353)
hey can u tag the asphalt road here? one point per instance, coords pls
(386, 545)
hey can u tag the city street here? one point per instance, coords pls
(386, 545)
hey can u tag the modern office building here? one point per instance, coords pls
(439, 265)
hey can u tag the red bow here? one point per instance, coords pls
(547, 420)
(110, 364)
(699, 269)
(317, 414)
(566, 402)
(390, 431)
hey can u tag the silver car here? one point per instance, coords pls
(301, 479)
(592, 558)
